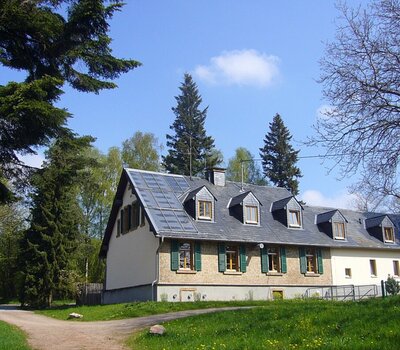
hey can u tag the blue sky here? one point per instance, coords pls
(250, 60)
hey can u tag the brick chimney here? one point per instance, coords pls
(216, 176)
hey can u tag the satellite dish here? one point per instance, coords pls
(261, 245)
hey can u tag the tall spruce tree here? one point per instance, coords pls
(279, 158)
(48, 246)
(54, 42)
(191, 150)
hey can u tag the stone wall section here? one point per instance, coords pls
(253, 276)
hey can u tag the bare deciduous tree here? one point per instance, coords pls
(361, 81)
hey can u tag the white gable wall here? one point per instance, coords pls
(358, 260)
(131, 257)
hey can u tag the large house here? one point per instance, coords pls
(177, 238)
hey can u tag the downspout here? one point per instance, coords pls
(157, 269)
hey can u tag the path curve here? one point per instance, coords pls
(45, 333)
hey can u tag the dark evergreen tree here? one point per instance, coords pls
(190, 135)
(48, 246)
(54, 42)
(279, 158)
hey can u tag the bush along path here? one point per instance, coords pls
(45, 333)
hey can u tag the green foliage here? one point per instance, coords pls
(251, 172)
(12, 338)
(54, 42)
(11, 230)
(49, 244)
(141, 152)
(392, 286)
(285, 324)
(279, 158)
(189, 134)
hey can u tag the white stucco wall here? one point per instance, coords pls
(359, 263)
(131, 257)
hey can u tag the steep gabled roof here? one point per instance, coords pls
(376, 221)
(161, 195)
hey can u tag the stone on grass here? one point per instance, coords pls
(157, 329)
(75, 315)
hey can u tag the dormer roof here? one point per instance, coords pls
(327, 216)
(282, 203)
(193, 193)
(240, 198)
(377, 221)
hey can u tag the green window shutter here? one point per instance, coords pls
(174, 255)
(221, 257)
(320, 263)
(136, 218)
(243, 262)
(197, 256)
(283, 260)
(303, 263)
(264, 260)
(122, 221)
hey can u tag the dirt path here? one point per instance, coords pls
(46, 333)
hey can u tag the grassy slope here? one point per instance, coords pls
(11, 338)
(313, 324)
(121, 311)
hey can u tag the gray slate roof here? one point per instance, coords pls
(226, 227)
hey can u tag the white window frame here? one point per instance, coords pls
(297, 215)
(248, 220)
(391, 230)
(201, 202)
(335, 228)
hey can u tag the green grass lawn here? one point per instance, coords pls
(128, 310)
(11, 338)
(287, 324)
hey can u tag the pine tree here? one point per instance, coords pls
(190, 135)
(48, 246)
(279, 158)
(53, 42)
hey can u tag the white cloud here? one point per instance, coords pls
(342, 200)
(33, 160)
(240, 67)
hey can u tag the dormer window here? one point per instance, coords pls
(251, 214)
(289, 212)
(200, 204)
(382, 228)
(294, 218)
(388, 234)
(246, 208)
(338, 230)
(333, 223)
(204, 210)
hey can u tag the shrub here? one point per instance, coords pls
(392, 286)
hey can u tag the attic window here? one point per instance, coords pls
(388, 234)
(294, 218)
(251, 214)
(204, 210)
(339, 230)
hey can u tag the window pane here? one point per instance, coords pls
(251, 214)
(185, 256)
(372, 264)
(232, 258)
(294, 218)
(395, 267)
(273, 259)
(311, 260)
(388, 232)
(205, 210)
(338, 230)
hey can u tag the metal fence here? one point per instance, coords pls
(89, 293)
(343, 293)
